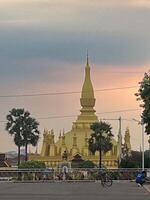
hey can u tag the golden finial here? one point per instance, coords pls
(52, 131)
(63, 131)
(45, 132)
(60, 134)
(87, 59)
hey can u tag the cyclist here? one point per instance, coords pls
(140, 179)
(105, 178)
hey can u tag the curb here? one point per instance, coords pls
(56, 181)
(71, 181)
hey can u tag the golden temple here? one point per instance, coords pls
(75, 142)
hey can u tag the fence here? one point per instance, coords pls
(90, 174)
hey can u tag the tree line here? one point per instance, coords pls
(23, 128)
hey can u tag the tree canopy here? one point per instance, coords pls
(135, 160)
(144, 96)
(87, 164)
(100, 139)
(23, 127)
(32, 165)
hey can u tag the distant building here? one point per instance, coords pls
(3, 161)
(12, 157)
(14, 160)
(75, 142)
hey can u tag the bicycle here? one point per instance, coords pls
(105, 178)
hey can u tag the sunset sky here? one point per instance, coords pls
(43, 45)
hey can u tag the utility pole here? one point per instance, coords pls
(149, 142)
(142, 126)
(149, 149)
(120, 139)
(142, 146)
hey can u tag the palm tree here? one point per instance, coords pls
(101, 139)
(24, 129)
(30, 132)
(14, 128)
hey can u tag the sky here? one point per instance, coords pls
(43, 45)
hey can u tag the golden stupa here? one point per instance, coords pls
(75, 142)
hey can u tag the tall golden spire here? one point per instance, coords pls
(87, 99)
(87, 89)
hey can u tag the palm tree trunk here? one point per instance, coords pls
(26, 152)
(100, 153)
(100, 158)
(18, 155)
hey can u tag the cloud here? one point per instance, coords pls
(105, 48)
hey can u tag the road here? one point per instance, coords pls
(72, 191)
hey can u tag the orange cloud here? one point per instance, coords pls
(140, 3)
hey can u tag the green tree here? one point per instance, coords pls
(14, 128)
(87, 164)
(147, 159)
(144, 95)
(101, 139)
(30, 132)
(24, 129)
(32, 165)
(135, 160)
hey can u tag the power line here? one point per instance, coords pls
(118, 111)
(62, 93)
(119, 88)
(71, 116)
(123, 72)
(99, 113)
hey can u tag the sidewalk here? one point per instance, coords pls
(147, 187)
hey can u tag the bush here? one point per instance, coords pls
(32, 165)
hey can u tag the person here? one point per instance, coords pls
(140, 179)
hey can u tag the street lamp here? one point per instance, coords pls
(142, 125)
(149, 148)
(149, 142)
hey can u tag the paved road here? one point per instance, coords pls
(71, 191)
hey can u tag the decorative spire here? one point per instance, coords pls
(63, 138)
(127, 143)
(87, 99)
(87, 96)
(52, 132)
(87, 62)
(60, 134)
(45, 132)
(63, 131)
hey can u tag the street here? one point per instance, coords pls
(72, 191)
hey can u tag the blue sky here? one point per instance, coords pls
(43, 46)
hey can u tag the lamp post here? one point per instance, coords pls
(149, 142)
(142, 125)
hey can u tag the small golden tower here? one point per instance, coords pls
(127, 143)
